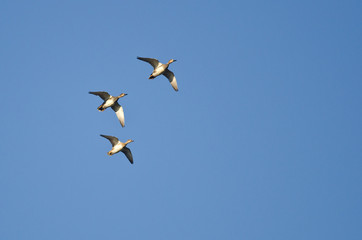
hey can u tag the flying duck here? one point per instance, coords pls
(160, 68)
(119, 146)
(111, 101)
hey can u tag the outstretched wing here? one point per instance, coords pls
(103, 95)
(119, 112)
(128, 154)
(112, 139)
(171, 77)
(152, 61)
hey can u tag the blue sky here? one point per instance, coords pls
(262, 141)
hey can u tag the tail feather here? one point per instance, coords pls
(100, 108)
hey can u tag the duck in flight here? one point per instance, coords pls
(160, 68)
(111, 101)
(118, 146)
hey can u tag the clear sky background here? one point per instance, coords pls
(262, 141)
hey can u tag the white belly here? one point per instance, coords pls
(117, 148)
(108, 103)
(158, 71)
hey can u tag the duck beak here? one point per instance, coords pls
(174, 60)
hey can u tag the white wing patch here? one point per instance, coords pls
(171, 77)
(119, 112)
